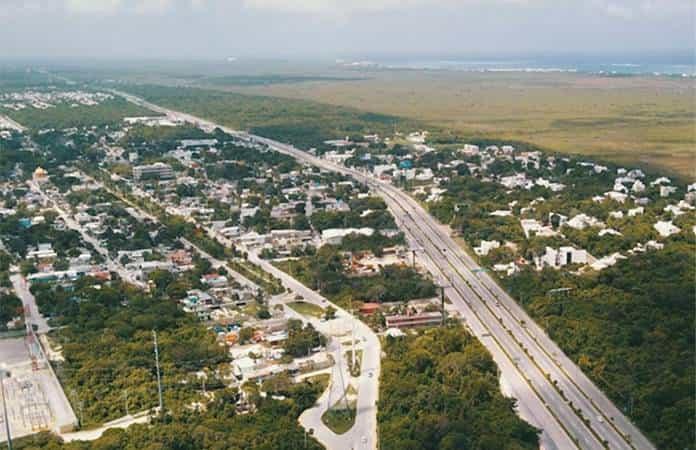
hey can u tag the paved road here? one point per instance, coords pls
(6, 122)
(112, 265)
(363, 435)
(528, 359)
(310, 419)
(96, 433)
(139, 214)
(21, 288)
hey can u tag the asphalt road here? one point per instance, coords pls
(363, 435)
(21, 288)
(112, 265)
(552, 392)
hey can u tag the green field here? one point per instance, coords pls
(631, 120)
(307, 309)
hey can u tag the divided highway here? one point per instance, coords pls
(552, 392)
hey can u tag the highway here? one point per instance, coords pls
(552, 392)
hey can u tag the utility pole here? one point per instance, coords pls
(352, 336)
(442, 304)
(4, 374)
(157, 366)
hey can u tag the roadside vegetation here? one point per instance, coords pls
(439, 390)
(630, 329)
(300, 122)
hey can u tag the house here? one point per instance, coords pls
(214, 280)
(607, 261)
(414, 320)
(43, 252)
(636, 211)
(510, 268)
(666, 191)
(582, 221)
(369, 308)
(562, 257)
(666, 228)
(638, 186)
(532, 227)
(616, 196)
(485, 247)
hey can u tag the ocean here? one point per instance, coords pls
(676, 64)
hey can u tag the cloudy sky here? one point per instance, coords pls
(183, 29)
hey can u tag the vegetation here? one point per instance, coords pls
(439, 390)
(630, 329)
(325, 272)
(106, 334)
(308, 309)
(339, 420)
(303, 123)
(109, 112)
(273, 425)
(302, 340)
(605, 117)
(10, 308)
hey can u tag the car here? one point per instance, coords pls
(364, 439)
(370, 374)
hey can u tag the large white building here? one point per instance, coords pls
(157, 170)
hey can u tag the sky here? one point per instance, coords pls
(217, 29)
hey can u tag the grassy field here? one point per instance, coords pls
(339, 420)
(632, 120)
(307, 309)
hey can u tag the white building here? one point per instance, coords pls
(582, 221)
(666, 228)
(486, 247)
(562, 257)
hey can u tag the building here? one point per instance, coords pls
(369, 308)
(40, 175)
(666, 228)
(157, 170)
(414, 320)
(563, 257)
(486, 247)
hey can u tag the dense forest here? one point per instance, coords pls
(106, 335)
(300, 122)
(439, 390)
(273, 426)
(631, 329)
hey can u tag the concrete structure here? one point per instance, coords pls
(157, 170)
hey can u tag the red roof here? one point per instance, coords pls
(369, 308)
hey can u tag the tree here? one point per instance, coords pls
(330, 313)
